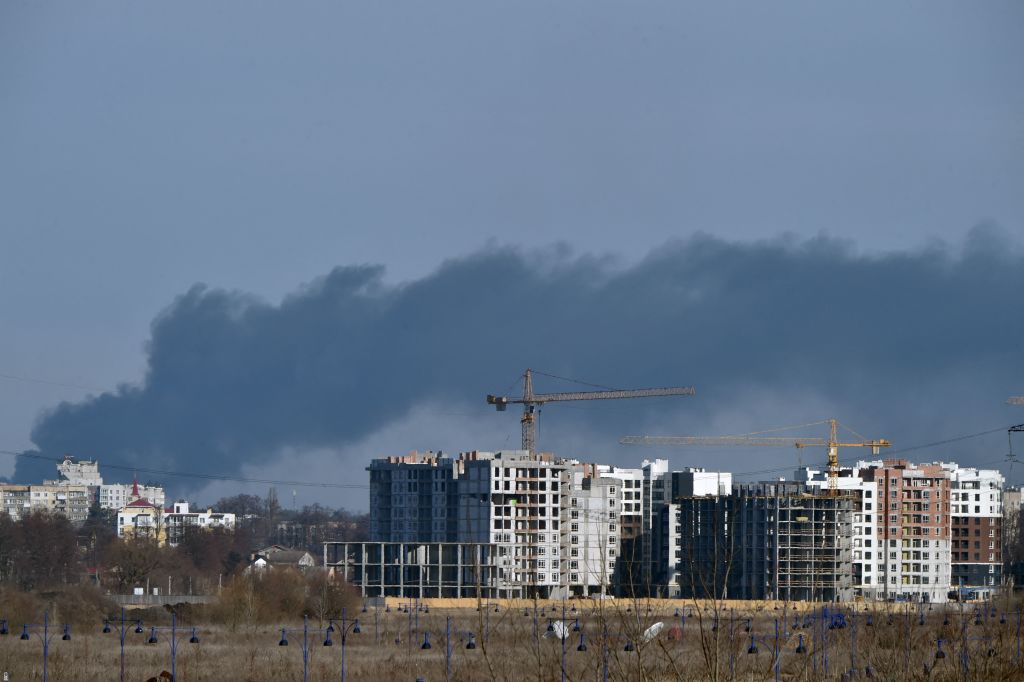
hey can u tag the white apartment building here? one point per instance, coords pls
(698, 482)
(81, 472)
(590, 529)
(179, 520)
(117, 495)
(976, 510)
(108, 495)
(513, 501)
(630, 527)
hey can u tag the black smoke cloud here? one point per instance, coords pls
(908, 345)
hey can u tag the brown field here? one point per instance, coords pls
(512, 646)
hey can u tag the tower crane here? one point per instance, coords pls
(832, 443)
(532, 401)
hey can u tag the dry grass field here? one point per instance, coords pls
(513, 643)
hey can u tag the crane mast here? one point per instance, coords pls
(531, 401)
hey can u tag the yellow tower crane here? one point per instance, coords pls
(532, 401)
(832, 443)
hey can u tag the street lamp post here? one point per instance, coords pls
(194, 639)
(45, 636)
(346, 626)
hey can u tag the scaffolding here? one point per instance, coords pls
(779, 546)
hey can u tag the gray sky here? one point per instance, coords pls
(256, 146)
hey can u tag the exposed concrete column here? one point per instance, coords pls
(362, 561)
(458, 572)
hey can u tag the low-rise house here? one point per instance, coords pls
(281, 558)
(141, 518)
(179, 521)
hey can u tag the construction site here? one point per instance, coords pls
(528, 524)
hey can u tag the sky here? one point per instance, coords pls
(268, 239)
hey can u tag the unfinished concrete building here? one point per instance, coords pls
(777, 540)
(412, 570)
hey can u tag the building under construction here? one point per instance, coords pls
(418, 570)
(775, 540)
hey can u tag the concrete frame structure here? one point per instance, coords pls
(773, 540)
(867, 548)
(792, 543)
(554, 522)
(417, 570)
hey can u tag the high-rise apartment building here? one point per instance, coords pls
(656, 492)
(549, 519)
(976, 513)
(628, 575)
(771, 540)
(558, 527)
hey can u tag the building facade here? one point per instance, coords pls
(773, 540)
(71, 501)
(893, 530)
(976, 513)
(179, 521)
(554, 523)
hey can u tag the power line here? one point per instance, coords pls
(47, 382)
(358, 486)
(195, 475)
(900, 451)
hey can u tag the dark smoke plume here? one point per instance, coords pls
(909, 345)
